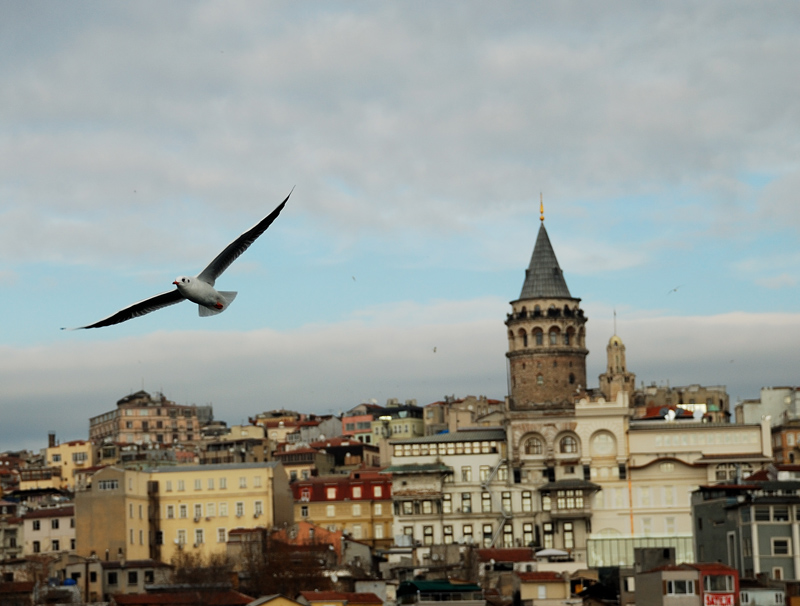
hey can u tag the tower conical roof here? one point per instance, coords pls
(544, 277)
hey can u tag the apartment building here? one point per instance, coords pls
(349, 454)
(359, 504)
(10, 531)
(752, 525)
(456, 488)
(141, 515)
(304, 463)
(398, 421)
(142, 418)
(114, 516)
(50, 530)
(199, 505)
(454, 413)
(688, 585)
(357, 422)
(70, 457)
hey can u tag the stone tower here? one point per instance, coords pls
(616, 378)
(546, 337)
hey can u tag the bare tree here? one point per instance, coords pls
(270, 566)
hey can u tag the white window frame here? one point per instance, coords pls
(786, 540)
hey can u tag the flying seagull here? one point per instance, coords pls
(199, 289)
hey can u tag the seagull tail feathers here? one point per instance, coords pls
(228, 295)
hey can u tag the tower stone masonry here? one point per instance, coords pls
(546, 337)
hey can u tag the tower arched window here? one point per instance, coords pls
(553, 336)
(539, 380)
(571, 379)
(523, 337)
(566, 338)
(537, 311)
(538, 336)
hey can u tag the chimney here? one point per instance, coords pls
(51, 439)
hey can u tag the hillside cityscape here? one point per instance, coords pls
(554, 493)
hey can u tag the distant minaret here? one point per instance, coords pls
(616, 378)
(546, 335)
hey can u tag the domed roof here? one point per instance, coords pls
(615, 340)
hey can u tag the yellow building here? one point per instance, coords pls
(153, 514)
(199, 505)
(69, 457)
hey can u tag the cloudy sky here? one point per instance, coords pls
(138, 139)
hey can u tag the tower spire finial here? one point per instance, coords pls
(615, 321)
(541, 208)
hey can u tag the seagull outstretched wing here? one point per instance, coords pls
(165, 299)
(238, 246)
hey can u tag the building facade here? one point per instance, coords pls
(142, 418)
(359, 505)
(141, 515)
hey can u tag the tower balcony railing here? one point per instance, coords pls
(555, 312)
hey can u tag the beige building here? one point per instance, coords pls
(543, 588)
(112, 516)
(138, 515)
(142, 418)
(49, 530)
(452, 414)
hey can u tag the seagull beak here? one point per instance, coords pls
(175, 283)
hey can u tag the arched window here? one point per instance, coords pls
(539, 380)
(568, 445)
(538, 336)
(523, 337)
(537, 311)
(553, 336)
(534, 446)
(571, 379)
(603, 445)
(566, 338)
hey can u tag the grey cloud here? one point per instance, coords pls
(383, 352)
(452, 105)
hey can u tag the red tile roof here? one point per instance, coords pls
(50, 512)
(546, 575)
(16, 587)
(712, 567)
(187, 598)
